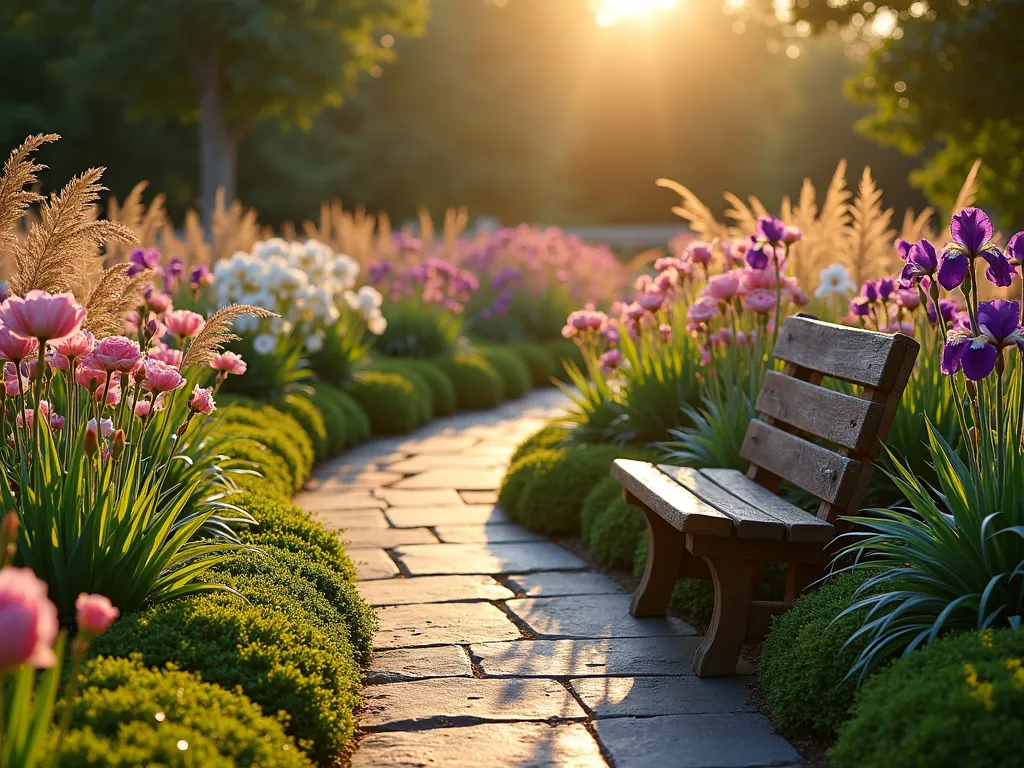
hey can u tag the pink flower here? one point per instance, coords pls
(202, 401)
(699, 252)
(634, 311)
(667, 281)
(722, 337)
(702, 311)
(908, 299)
(29, 417)
(611, 359)
(113, 394)
(28, 620)
(57, 361)
(116, 353)
(160, 377)
(159, 302)
(651, 301)
(724, 286)
(16, 348)
(42, 315)
(568, 331)
(79, 344)
(106, 427)
(94, 613)
(56, 422)
(182, 322)
(666, 332)
(229, 362)
(87, 375)
(166, 354)
(142, 408)
(760, 301)
(752, 279)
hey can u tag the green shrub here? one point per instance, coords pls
(563, 350)
(275, 476)
(282, 524)
(358, 419)
(418, 329)
(600, 496)
(538, 358)
(390, 400)
(281, 444)
(113, 722)
(803, 661)
(424, 392)
(516, 379)
(957, 702)
(301, 408)
(549, 436)
(301, 586)
(254, 413)
(521, 473)
(477, 385)
(552, 499)
(336, 427)
(615, 534)
(278, 661)
(441, 387)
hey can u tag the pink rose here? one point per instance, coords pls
(16, 348)
(724, 286)
(28, 620)
(94, 614)
(116, 353)
(88, 376)
(229, 362)
(42, 315)
(79, 344)
(702, 311)
(202, 401)
(760, 301)
(160, 377)
(182, 322)
(159, 302)
(166, 354)
(143, 407)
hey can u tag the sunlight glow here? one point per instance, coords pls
(609, 12)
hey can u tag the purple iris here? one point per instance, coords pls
(176, 268)
(869, 291)
(758, 256)
(921, 261)
(947, 308)
(141, 260)
(1015, 250)
(885, 287)
(200, 275)
(860, 306)
(771, 229)
(976, 353)
(972, 237)
(903, 247)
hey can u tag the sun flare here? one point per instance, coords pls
(609, 12)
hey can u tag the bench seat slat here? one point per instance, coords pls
(676, 505)
(800, 526)
(751, 522)
(851, 422)
(817, 470)
(852, 354)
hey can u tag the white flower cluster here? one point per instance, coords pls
(834, 280)
(307, 284)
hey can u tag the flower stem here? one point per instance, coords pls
(78, 648)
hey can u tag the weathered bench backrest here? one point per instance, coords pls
(799, 410)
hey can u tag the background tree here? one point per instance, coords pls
(225, 63)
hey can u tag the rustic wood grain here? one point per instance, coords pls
(819, 471)
(800, 526)
(852, 354)
(677, 506)
(750, 521)
(734, 590)
(665, 553)
(848, 421)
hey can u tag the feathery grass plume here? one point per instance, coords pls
(113, 295)
(455, 222)
(745, 218)
(217, 332)
(60, 250)
(702, 221)
(234, 228)
(288, 232)
(19, 172)
(825, 231)
(145, 221)
(917, 227)
(426, 228)
(968, 193)
(869, 246)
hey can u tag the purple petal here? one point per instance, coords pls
(999, 271)
(978, 360)
(952, 270)
(922, 253)
(1000, 317)
(1015, 249)
(903, 248)
(771, 228)
(929, 309)
(952, 354)
(971, 228)
(757, 258)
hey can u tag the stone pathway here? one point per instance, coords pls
(499, 648)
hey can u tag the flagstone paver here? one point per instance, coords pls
(460, 514)
(495, 643)
(433, 589)
(465, 701)
(404, 664)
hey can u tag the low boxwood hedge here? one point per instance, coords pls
(391, 400)
(311, 418)
(278, 660)
(432, 383)
(128, 715)
(477, 385)
(521, 473)
(542, 364)
(516, 379)
(273, 474)
(551, 435)
(336, 423)
(957, 702)
(600, 496)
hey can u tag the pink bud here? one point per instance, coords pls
(94, 614)
(28, 620)
(202, 401)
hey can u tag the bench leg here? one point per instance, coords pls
(799, 577)
(664, 557)
(734, 590)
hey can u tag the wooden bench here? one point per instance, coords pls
(720, 524)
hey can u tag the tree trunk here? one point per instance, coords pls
(217, 139)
